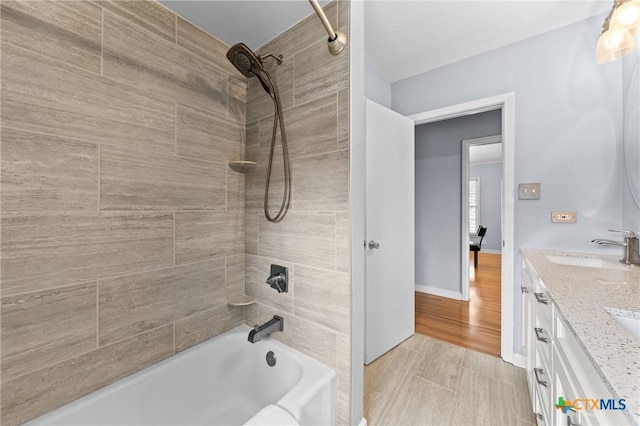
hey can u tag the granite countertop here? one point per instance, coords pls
(581, 294)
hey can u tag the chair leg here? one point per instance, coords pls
(475, 260)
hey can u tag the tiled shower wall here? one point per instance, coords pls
(122, 225)
(313, 239)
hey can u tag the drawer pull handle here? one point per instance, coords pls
(538, 372)
(540, 334)
(540, 297)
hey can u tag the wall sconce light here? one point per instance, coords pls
(618, 30)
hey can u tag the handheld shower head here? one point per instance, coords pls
(250, 64)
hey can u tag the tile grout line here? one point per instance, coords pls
(102, 41)
(97, 314)
(99, 177)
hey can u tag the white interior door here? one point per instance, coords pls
(390, 193)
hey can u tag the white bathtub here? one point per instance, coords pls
(223, 381)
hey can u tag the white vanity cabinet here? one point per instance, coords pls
(538, 336)
(557, 365)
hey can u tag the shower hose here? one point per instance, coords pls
(278, 122)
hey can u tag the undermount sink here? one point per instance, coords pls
(585, 261)
(629, 320)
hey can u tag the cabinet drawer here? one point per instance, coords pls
(543, 339)
(543, 382)
(544, 311)
(570, 361)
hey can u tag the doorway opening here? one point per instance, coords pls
(504, 103)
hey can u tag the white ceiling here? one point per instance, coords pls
(403, 38)
(253, 22)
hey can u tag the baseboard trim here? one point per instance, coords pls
(491, 251)
(449, 294)
(519, 360)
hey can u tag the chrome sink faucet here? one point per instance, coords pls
(631, 246)
(259, 331)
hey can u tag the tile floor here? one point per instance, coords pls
(425, 381)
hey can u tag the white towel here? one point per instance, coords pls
(272, 415)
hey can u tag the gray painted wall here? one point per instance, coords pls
(490, 175)
(376, 86)
(568, 121)
(439, 196)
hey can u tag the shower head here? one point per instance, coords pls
(250, 64)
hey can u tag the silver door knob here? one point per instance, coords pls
(373, 245)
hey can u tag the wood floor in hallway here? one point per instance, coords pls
(425, 381)
(474, 324)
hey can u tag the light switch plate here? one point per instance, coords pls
(564, 217)
(529, 191)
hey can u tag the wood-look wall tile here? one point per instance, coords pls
(204, 45)
(207, 137)
(139, 57)
(343, 16)
(150, 15)
(257, 271)
(252, 147)
(46, 250)
(36, 393)
(343, 359)
(204, 325)
(251, 229)
(237, 89)
(321, 182)
(343, 248)
(322, 296)
(208, 235)
(252, 315)
(139, 180)
(319, 73)
(343, 119)
(409, 408)
(136, 303)
(259, 104)
(256, 178)
(236, 183)
(44, 172)
(69, 31)
(235, 273)
(42, 328)
(49, 96)
(305, 238)
(343, 405)
(311, 127)
(308, 337)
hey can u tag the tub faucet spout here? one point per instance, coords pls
(259, 331)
